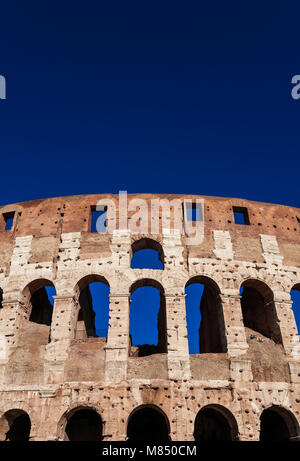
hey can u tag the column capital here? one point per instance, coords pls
(285, 301)
(10, 302)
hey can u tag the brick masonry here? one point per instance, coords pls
(51, 240)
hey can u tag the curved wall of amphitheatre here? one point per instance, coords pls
(47, 371)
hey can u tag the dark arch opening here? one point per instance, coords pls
(38, 297)
(205, 319)
(278, 425)
(148, 424)
(295, 297)
(84, 426)
(147, 254)
(40, 294)
(147, 319)
(15, 426)
(93, 313)
(211, 424)
(258, 309)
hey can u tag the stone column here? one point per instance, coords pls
(288, 327)
(178, 349)
(62, 331)
(117, 347)
(234, 325)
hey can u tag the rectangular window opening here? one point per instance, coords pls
(241, 215)
(193, 212)
(9, 219)
(98, 219)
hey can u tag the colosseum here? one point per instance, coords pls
(62, 379)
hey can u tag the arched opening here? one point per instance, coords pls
(148, 424)
(147, 319)
(84, 425)
(38, 297)
(278, 425)
(147, 254)
(204, 314)
(215, 423)
(258, 308)
(92, 293)
(15, 426)
(295, 296)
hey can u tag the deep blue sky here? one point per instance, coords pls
(176, 97)
(167, 97)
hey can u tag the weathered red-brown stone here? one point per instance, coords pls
(48, 371)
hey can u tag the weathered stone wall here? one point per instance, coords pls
(51, 240)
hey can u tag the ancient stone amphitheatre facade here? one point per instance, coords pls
(59, 380)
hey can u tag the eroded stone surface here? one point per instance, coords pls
(50, 240)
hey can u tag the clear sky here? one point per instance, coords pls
(186, 97)
(170, 97)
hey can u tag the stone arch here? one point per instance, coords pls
(149, 349)
(215, 279)
(81, 423)
(148, 422)
(15, 426)
(295, 297)
(215, 423)
(85, 280)
(278, 424)
(296, 286)
(258, 309)
(146, 243)
(32, 287)
(208, 281)
(85, 313)
(211, 335)
(38, 307)
(251, 273)
(146, 282)
(292, 284)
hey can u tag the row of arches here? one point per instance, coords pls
(148, 329)
(150, 424)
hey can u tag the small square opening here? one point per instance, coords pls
(9, 220)
(241, 215)
(193, 212)
(98, 219)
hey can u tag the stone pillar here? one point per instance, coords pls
(245, 412)
(234, 325)
(117, 347)
(181, 429)
(288, 328)
(64, 318)
(62, 331)
(44, 420)
(121, 248)
(114, 429)
(12, 315)
(178, 348)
